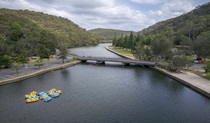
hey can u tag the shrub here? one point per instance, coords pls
(177, 63)
(206, 67)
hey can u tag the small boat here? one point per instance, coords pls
(26, 96)
(55, 95)
(32, 100)
(33, 97)
(47, 99)
(41, 93)
(33, 93)
(43, 97)
(59, 92)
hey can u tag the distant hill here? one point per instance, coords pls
(190, 24)
(109, 34)
(30, 21)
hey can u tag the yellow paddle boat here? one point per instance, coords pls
(33, 93)
(32, 100)
(59, 92)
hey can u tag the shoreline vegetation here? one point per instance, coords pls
(189, 79)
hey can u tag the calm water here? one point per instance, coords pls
(104, 93)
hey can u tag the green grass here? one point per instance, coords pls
(106, 41)
(124, 52)
(43, 60)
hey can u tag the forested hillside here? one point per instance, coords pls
(172, 40)
(189, 24)
(26, 33)
(109, 34)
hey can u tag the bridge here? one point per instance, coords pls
(102, 60)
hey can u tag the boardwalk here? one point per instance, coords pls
(122, 60)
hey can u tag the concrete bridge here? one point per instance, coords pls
(102, 60)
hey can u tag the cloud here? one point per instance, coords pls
(148, 1)
(172, 9)
(118, 17)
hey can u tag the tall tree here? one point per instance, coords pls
(186, 44)
(201, 45)
(161, 46)
(114, 42)
(62, 46)
(143, 52)
(131, 41)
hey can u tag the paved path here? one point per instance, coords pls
(8, 73)
(197, 67)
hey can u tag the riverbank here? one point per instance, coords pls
(21, 77)
(189, 79)
(119, 54)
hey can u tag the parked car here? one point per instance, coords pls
(198, 61)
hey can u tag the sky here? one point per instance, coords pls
(132, 15)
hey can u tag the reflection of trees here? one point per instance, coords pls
(157, 80)
(170, 84)
(65, 73)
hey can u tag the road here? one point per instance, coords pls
(197, 67)
(8, 73)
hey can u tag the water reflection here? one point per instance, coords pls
(65, 74)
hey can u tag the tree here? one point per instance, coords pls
(188, 28)
(130, 45)
(186, 44)
(126, 42)
(177, 63)
(201, 45)
(143, 52)
(5, 61)
(206, 67)
(161, 46)
(16, 31)
(137, 40)
(62, 45)
(63, 51)
(120, 41)
(16, 66)
(114, 42)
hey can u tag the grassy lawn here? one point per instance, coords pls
(124, 52)
(106, 41)
(43, 60)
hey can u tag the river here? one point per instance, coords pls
(104, 94)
